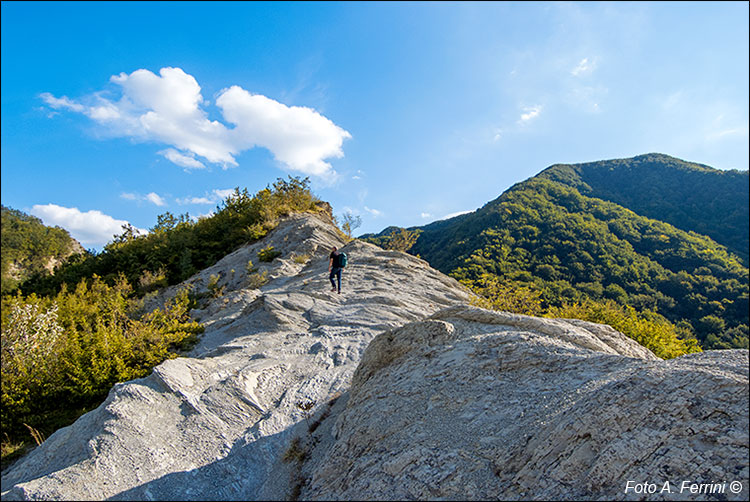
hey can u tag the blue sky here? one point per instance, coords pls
(401, 113)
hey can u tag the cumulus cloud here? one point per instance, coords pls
(298, 137)
(168, 108)
(90, 228)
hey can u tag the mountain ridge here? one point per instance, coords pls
(643, 184)
(386, 392)
(547, 235)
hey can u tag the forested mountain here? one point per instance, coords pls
(692, 197)
(546, 235)
(29, 247)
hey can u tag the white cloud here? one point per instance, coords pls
(583, 67)
(63, 102)
(152, 197)
(299, 137)
(196, 200)
(214, 197)
(168, 108)
(426, 215)
(222, 194)
(529, 113)
(90, 228)
(453, 215)
(188, 161)
(374, 212)
(155, 199)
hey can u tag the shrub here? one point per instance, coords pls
(61, 355)
(268, 254)
(301, 258)
(647, 328)
(257, 279)
(178, 246)
(509, 297)
(213, 286)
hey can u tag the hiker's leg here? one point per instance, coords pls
(338, 276)
(331, 278)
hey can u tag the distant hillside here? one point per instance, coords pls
(29, 247)
(549, 236)
(692, 197)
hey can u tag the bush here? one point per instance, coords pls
(268, 254)
(177, 247)
(257, 279)
(509, 297)
(649, 329)
(61, 355)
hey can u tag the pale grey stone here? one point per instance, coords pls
(448, 401)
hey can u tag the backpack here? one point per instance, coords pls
(342, 260)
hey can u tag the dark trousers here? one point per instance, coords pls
(335, 273)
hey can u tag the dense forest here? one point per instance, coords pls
(68, 337)
(29, 247)
(545, 236)
(692, 197)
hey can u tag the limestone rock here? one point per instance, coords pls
(211, 426)
(471, 404)
(447, 401)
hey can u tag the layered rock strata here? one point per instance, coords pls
(447, 401)
(478, 405)
(211, 425)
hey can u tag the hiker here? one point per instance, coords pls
(336, 264)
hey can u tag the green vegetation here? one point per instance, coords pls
(648, 328)
(546, 237)
(257, 279)
(63, 348)
(29, 247)
(62, 354)
(394, 238)
(268, 254)
(690, 196)
(177, 247)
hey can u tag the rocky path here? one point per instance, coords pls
(210, 426)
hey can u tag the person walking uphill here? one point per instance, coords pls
(336, 263)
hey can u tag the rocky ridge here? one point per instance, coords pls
(482, 405)
(211, 425)
(448, 401)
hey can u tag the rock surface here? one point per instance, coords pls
(447, 401)
(210, 426)
(471, 404)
